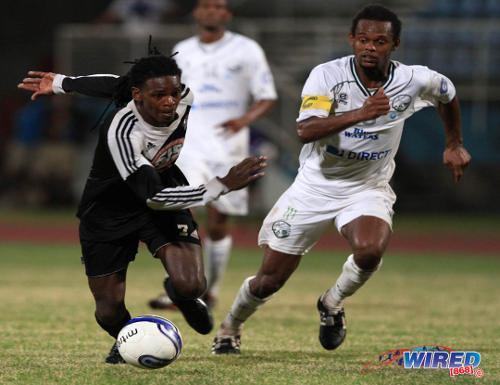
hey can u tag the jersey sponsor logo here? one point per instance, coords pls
(443, 88)
(361, 155)
(168, 154)
(235, 69)
(150, 145)
(281, 229)
(359, 133)
(223, 104)
(317, 102)
(209, 88)
(401, 102)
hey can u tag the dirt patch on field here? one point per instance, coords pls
(247, 237)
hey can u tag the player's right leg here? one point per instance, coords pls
(111, 313)
(106, 268)
(275, 270)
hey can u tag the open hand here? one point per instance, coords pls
(40, 83)
(244, 173)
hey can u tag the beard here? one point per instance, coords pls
(374, 73)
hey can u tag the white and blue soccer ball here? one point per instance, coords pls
(149, 342)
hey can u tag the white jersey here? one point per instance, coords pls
(361, 156)
(224, 76)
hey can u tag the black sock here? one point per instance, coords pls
(115, 328)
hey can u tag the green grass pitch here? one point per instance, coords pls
(49, 336)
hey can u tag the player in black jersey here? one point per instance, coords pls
(133, 180)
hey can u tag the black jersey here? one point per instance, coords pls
(133, 168)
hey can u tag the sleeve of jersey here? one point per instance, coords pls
(100, 85)
(437, 88)
(315, 99)
(125, 143)
(262, 82)
(183, 197)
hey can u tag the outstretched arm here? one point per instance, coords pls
(48, 83)
(239, 176)
(455, 156)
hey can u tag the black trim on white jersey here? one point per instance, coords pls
(186, 92)
(360, 84)
(122, 135)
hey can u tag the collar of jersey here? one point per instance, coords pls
(360, 84)
(216, 45)
(149, 127)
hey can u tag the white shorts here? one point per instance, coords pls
(200, 172)
(298, 218)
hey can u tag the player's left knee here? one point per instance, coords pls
(368, 257)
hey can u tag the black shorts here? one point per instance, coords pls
(105, 257)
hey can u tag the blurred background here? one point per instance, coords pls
(47, 145)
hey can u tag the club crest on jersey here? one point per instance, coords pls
(401, 102)
(281, 229)
(168, 154)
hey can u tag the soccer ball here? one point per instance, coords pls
(149, 342)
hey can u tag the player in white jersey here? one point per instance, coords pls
(226, 71)
(351, 121)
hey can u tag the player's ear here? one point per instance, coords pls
(229, 15)
(136, 94)
(395, 46)
(351, 39)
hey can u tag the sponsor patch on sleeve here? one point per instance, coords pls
(317, 102)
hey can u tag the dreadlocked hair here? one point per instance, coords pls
(143, 69)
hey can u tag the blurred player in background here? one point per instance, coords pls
(133, 180)
(225, 70)
(351, 121)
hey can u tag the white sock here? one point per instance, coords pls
(243, 307)
(350, 280)
(216, 257)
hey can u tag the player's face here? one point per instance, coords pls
(158, 99)
(373, 43)
(212, 14)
